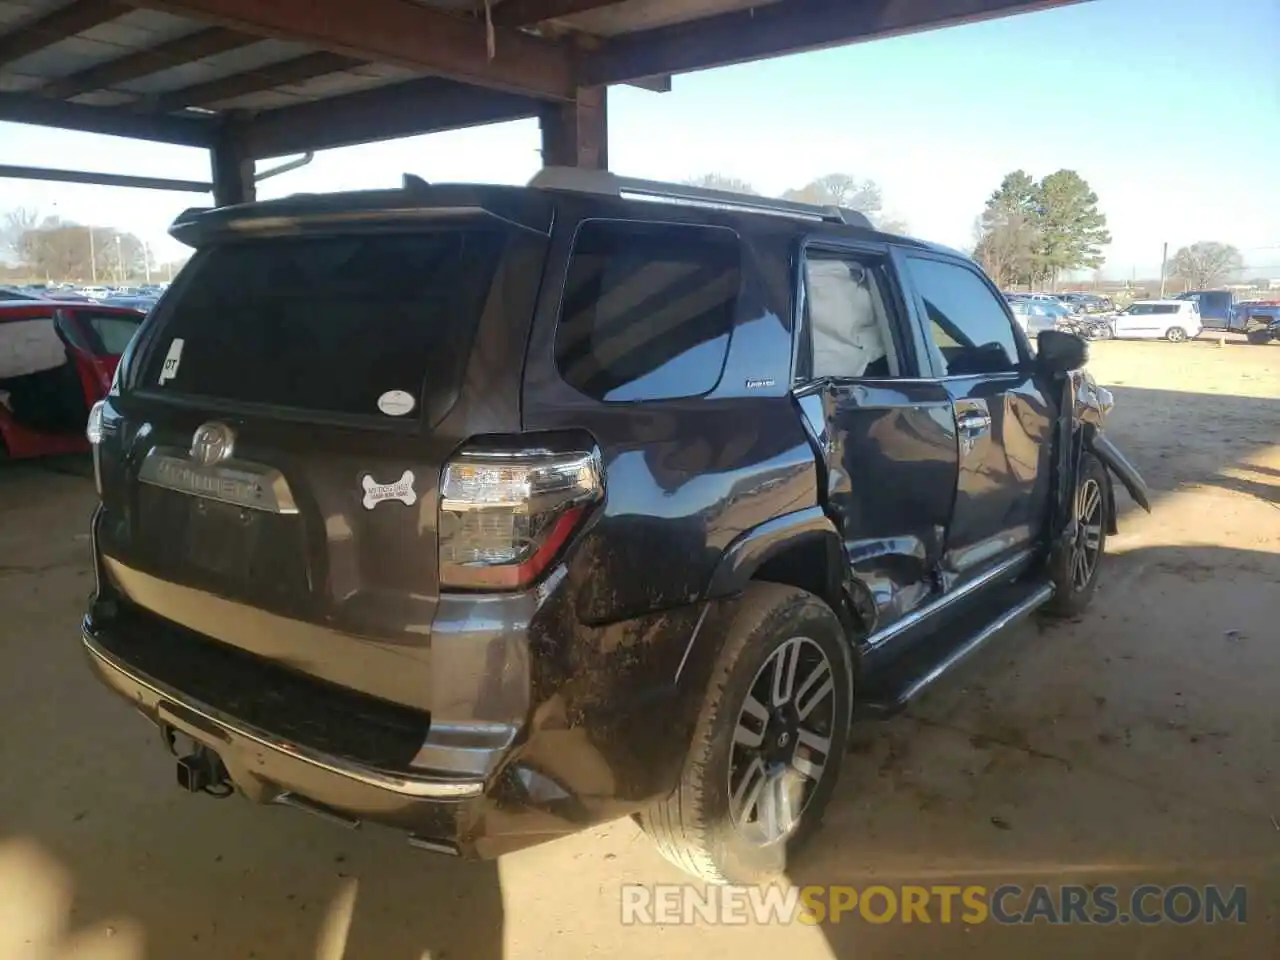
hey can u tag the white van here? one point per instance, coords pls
(1172, 320)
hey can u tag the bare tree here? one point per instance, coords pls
(1206, 264)
(13, 226)
(1006, 245)
(841, 190)
(721, 181)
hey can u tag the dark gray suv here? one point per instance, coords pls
(490, 513)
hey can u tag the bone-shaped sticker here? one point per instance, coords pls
(402, 490)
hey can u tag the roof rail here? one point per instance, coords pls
(580, 180)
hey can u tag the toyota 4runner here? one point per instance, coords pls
(490, 513)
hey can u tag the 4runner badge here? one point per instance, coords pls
(402, 490)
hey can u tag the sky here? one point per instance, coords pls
(1170, 109)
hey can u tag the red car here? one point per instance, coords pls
(56, 361)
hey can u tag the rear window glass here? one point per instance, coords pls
(648, 309)
(328, 324)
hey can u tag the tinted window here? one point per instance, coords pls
(1145, 309)
(847, 319)
(648, 309)
(113, 331)
(970, 331)
(327, 324)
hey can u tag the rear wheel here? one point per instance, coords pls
(1175, 335)
(1074, 565)
(768, 743)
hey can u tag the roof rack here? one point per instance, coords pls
(580, 180)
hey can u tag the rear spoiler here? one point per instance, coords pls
(416, 204)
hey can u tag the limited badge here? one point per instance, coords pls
(402, 490)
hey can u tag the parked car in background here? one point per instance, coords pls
(1260, 320)
(1035, 316)
(96, 292)
(1172, 320)
(56, 361)
(1087, 302)
(138, 302)
(547, 506)
(17, 293)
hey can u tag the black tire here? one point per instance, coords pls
(1071, 597)
(1176, 335)
(694, 827)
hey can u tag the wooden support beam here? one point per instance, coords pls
(576, 134)
(525, 13)
(404, 109)
(789, 26)
(399, 32)
(182, 50)
(64, 22)
(232, 164)
(28, 108)
(298, 70)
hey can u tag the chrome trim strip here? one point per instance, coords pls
(929, 609)
(236, 482)
(961, 653)
(404, 786)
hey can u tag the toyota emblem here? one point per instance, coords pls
(212, 443)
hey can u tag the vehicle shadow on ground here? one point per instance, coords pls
(1131, 746)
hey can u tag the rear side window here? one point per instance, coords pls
(648, 309)
(331, 324)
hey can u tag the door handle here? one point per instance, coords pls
(974, 422)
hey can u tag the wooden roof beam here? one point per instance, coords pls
(62, 23)
(297, 70)
(173, 53)
(399, 32)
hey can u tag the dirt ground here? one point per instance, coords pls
(1139, 745)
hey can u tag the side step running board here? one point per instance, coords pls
(911, 687)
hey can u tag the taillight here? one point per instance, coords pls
(93, 433)
(505, 516)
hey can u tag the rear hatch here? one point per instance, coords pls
(270, 468)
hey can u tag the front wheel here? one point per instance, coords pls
(768, 742)
(1074, 565)
(1175, 335)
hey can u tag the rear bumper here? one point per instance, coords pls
(592, 749)
(443, 812)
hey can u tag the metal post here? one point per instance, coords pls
(1164, 259)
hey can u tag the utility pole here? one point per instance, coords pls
(119, 262)
(1164, 259)
(146, 260)
(93, 259)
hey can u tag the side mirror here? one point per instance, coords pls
(1058, 352)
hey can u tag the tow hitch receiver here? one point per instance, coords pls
(203, 772)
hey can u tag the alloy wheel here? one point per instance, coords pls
(782, 741)
(1176, 335)
(1088, 544)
